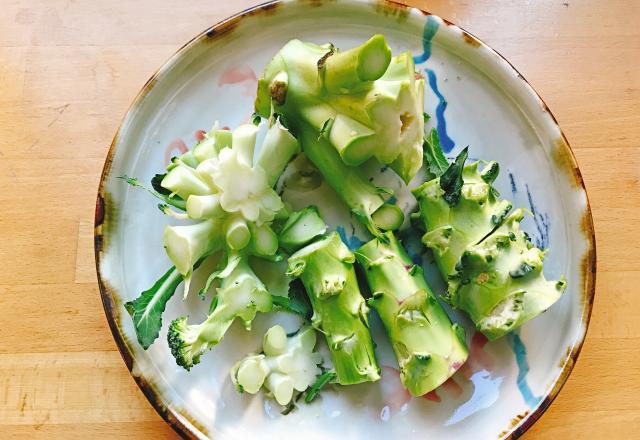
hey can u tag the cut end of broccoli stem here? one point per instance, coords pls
(201, 207)
(274, 341)
(352, 70)
(388, 217)
(237, 233)
(301, 228)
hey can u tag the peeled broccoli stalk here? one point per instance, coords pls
(278, 148)
(364, 102)
(363, 198)
(429, 348)
(339, 310)
(240, 295)
(499, 281)
(300, 228)
(286, 365)
(453, 228)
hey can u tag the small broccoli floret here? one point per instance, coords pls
(240, 295)
(184, 344)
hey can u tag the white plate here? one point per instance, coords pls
(476, 98)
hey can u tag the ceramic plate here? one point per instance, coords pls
(476, 98)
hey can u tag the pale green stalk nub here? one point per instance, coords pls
(278, 148)
(244, 142)
(201, 207)
(185, 181)
(345, 72)
(187, 244)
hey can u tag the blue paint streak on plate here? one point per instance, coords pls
(520, 352)
(430, 29)
(446, 142)
(351, 241)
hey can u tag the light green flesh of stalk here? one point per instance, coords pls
(429, 348)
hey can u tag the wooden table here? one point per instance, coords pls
(68, 71)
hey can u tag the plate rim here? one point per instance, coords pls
(178, 421)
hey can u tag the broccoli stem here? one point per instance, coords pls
(240, 295)
(363, 198)
(185, 245)
(263, 240)
(201, 207)
(244, 142)
(300, 228)
(340, 312)
(428, 347)
(365, 103)
(237, 232)
(185, 181)
(352, 70)
(494, 273)
(278, 148)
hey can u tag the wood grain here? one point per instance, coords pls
(68, 71)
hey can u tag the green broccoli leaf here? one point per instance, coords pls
(437, 164)
(147, 309)
(451, 180)
(296, 302)
(322, 380)
(163, 195)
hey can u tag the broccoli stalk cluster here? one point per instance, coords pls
(348, 107)
(493, 271)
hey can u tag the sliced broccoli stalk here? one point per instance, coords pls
(362, 197)
(339, 310)
(363, 101)
(203, 207)
(499, 282)
(241, 295)
(187, 244)
(286, 365)
(278, 148)
(300, 228)
(429, 348)
(214, 141)
(452, 228)
(185, 181)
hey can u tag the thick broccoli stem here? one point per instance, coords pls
(499, 282)
(361, 196)
(429, 348)
(240, 295)
(451, 229)
(339, 310)
(493, 271)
